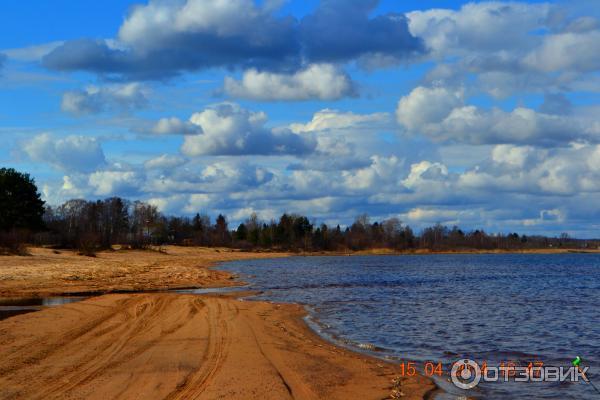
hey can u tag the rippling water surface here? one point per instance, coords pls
(513, 307)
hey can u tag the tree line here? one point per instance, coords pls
(94, 225)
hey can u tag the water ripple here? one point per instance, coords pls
(518, 308)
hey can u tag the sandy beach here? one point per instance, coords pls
(168, 345)
(48, 272)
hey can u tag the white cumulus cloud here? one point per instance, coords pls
(229, 129)
(328, 119)
(95, 99)
(317, 81)
(175, 126)
(71, 153)
(124, 183)
(442, 115)
(567, 51)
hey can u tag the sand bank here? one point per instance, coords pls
(47, 272)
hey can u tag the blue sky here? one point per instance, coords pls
(481, 114)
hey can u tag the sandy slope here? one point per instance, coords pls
(169, 346)
(46, 272)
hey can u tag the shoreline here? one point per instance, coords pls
(417, 252)
(195, 273)
(124, 344)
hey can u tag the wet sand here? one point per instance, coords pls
(173, 346)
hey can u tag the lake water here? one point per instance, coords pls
(498, 308)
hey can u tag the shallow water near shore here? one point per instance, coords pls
(11, 306)
(21, 305)
(517, 308)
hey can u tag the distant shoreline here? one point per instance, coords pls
(54, 272)
(388, 252)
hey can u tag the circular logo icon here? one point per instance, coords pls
(465, 374)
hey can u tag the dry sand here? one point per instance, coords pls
(168, 345)
(47, 272)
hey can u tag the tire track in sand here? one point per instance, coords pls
(140, 317)
(173, 346)
(216, 351)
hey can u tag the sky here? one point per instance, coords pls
(477, 114)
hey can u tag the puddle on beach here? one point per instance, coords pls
(22, 305)
(15, 306)
(227, 289)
